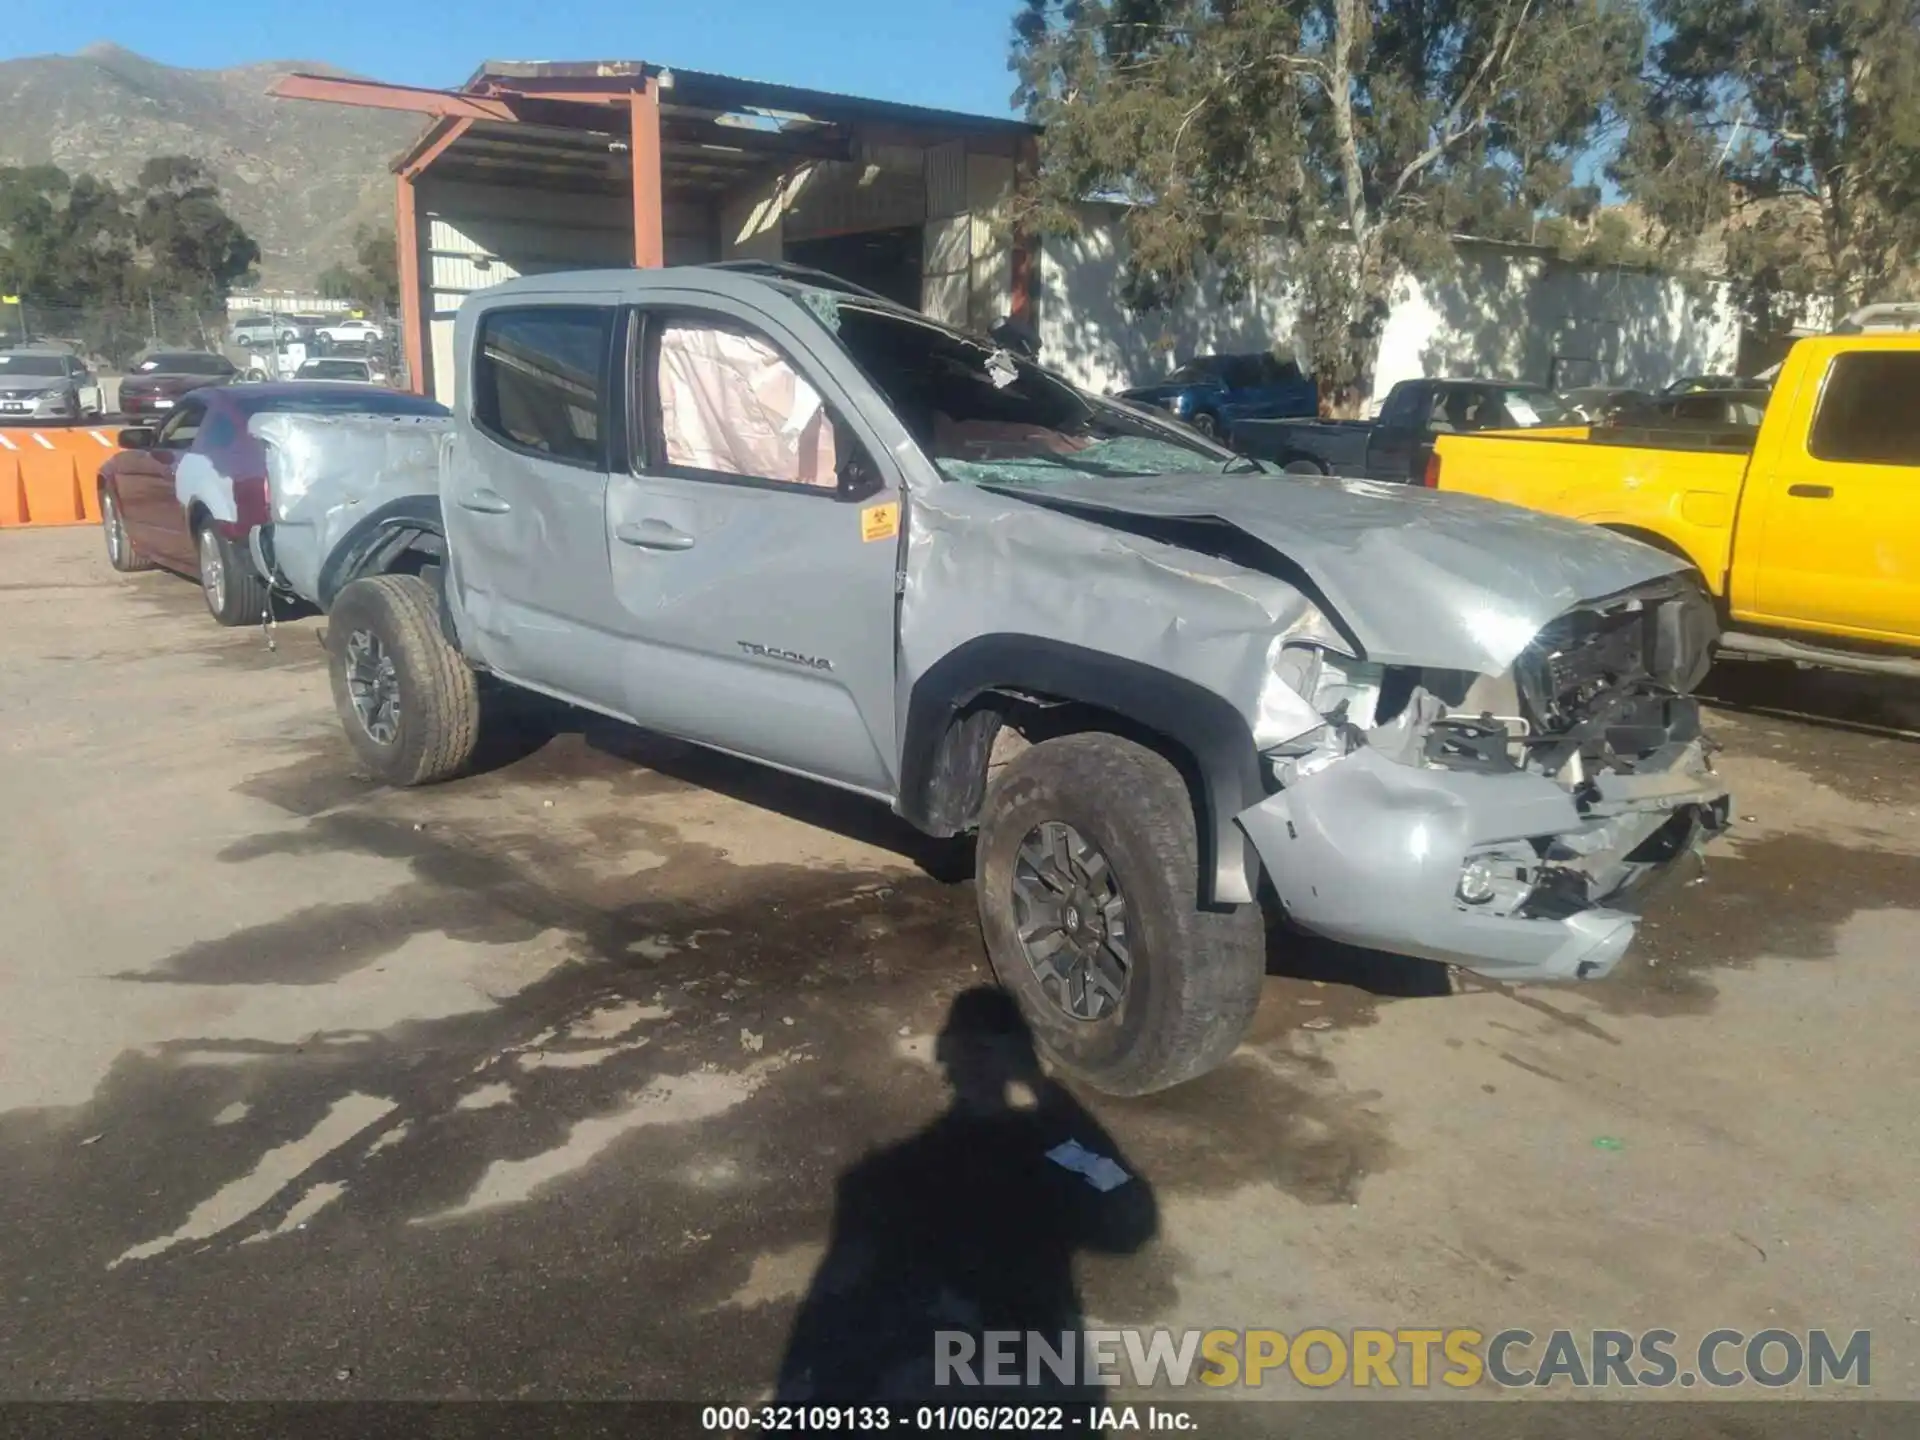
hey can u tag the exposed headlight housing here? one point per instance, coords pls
(1498, 879)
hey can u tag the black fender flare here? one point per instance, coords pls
(371, 545)
(1225, 774)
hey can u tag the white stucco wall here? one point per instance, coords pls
(1504, 313)
(1518, 316)
(1087, 333)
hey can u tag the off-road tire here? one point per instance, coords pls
(1196, 974)
(1303, 467)
(242, 597)
(113, 528)
(439, 722)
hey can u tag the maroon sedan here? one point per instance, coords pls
(188, 495)
(155, 384)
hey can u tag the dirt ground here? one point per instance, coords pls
(549, 1081)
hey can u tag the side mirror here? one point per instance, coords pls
(137, 437)
(1011, 334)
(859, 476)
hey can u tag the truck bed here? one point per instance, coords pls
(1645, 482)
(1341, 445)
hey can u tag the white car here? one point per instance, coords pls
(360, 372)
(352, 330)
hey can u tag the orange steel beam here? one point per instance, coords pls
(413, 314)
(431, 146)
(603, 92)
(649, 192)
(375, 95)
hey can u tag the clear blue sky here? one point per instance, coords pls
(950, 54)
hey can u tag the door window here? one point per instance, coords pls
(1869, 411)
(1402, 409)
(1244, 372)
(179, 431)
(1275, 371)
(540, 380)
(727, 404)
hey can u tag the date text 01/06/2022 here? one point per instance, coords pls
(937, 1419)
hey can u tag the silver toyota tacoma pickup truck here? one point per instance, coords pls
(1173, 696)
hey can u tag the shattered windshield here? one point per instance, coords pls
(986, 416)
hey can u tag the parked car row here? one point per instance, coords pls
(269, 331)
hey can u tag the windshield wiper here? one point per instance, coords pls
(1257, 467)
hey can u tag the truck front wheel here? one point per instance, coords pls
(1087, 876)
(410, 704)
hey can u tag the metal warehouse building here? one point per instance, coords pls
(533, 167)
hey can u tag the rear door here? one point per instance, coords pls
(525, 500)
(145, 480)
(1840, 543)
(755, 546)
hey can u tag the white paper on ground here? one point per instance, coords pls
(1103, 1174)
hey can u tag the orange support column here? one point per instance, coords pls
(413, 315)
(649, 191)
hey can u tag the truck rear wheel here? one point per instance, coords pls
(1087, 876)
(408, 701)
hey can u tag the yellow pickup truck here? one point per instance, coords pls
(1807, 531)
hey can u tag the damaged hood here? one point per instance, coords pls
(1415, 577)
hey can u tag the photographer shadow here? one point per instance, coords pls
(963, 1229)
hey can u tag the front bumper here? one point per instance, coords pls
(58, 406)
(1371, 852)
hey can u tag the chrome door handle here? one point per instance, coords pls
(486, 502)
(1811, 492)
(652, 535)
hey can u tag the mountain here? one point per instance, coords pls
(299, 176)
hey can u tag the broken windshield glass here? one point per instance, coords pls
(985, 415)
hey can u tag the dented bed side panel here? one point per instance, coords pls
(327, 473)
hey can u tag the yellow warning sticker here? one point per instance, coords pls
(880, 522)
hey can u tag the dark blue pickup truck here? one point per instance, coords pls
(1212, 393)
(1396, 446)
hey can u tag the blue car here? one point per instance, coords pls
(1211, 392)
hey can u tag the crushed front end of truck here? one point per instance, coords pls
(1505, 823)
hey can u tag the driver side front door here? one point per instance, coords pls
(755, 545)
